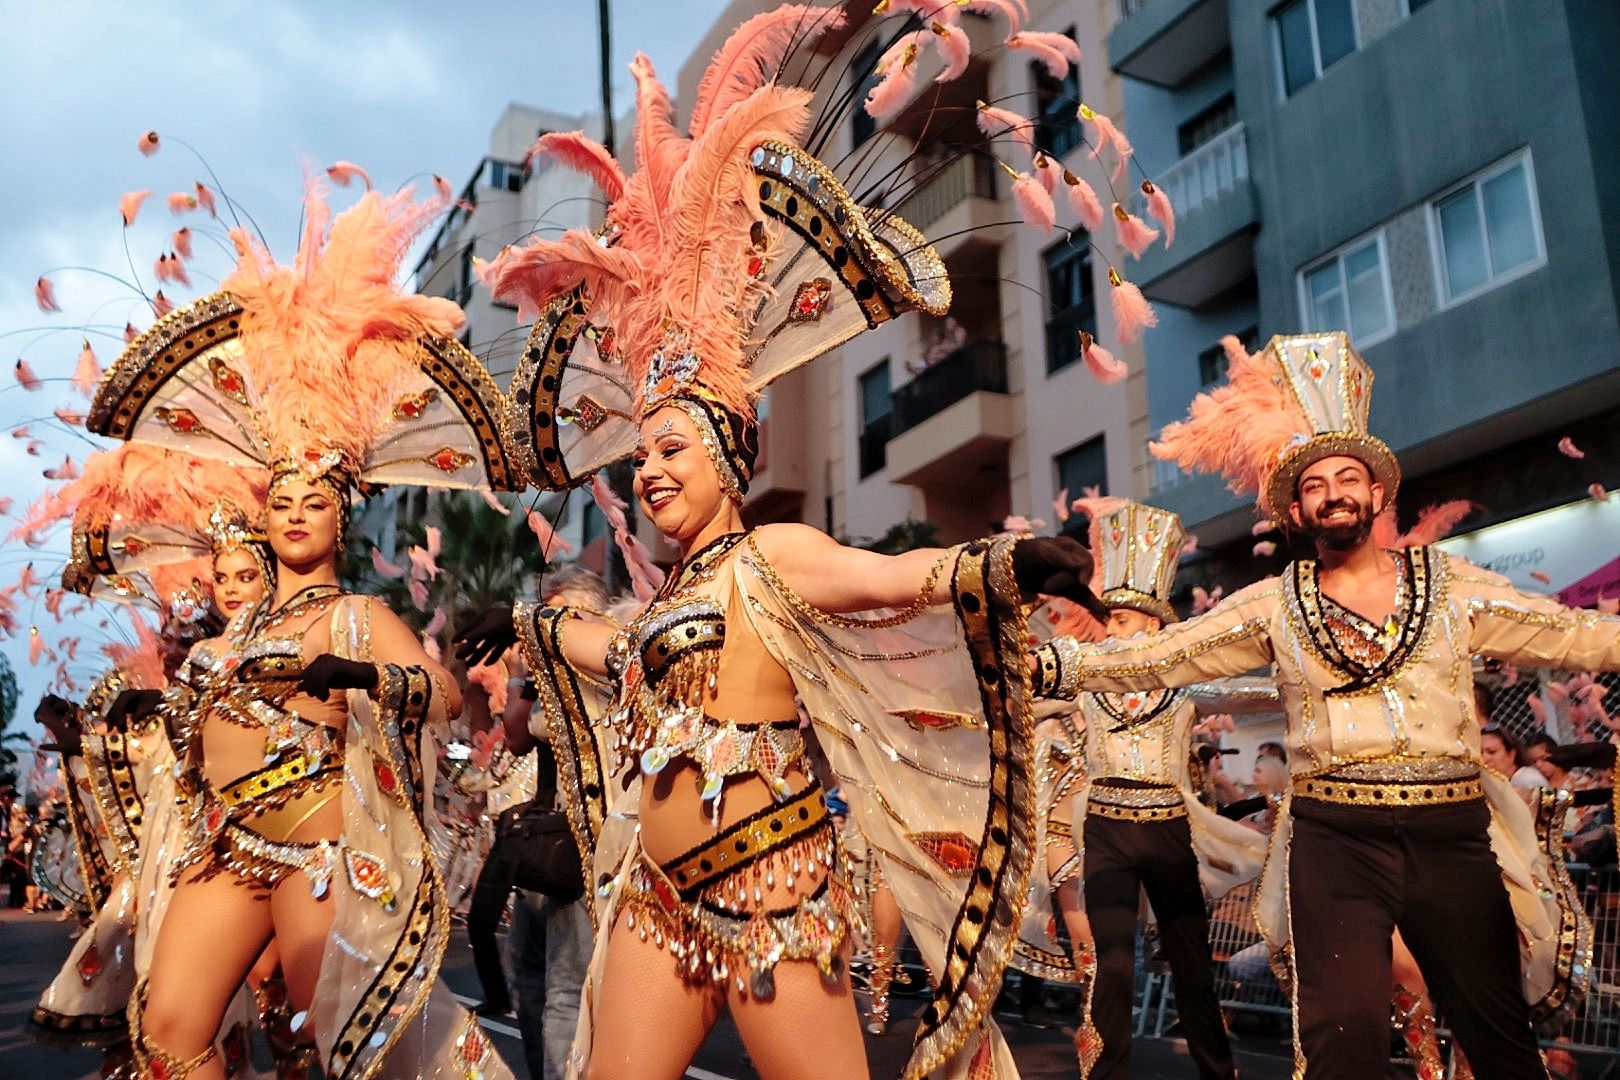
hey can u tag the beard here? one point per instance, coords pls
(1344, 535)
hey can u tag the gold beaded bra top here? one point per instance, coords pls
(665, 663)
(257, 676)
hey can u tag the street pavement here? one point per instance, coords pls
(33, 947)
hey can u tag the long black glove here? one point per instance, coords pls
(327, 672)
(1056, 566)
(490, 635)
(60, 719)
(132, 707)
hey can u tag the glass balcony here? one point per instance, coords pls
(978, 365)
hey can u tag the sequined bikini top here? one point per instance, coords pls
(255, 682)
(667, 662)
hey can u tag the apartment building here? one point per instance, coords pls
(1438, 177)
(963, 420)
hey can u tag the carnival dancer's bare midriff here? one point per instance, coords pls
(750, 688)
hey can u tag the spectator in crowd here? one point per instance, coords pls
(1225, 789)
(1535, 747)
(1272, 749)
(550, 944)
(1501, 752)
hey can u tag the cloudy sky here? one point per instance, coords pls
(261, 89)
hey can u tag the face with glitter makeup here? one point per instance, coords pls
(238, 581)
(304, 522)
(676, 481)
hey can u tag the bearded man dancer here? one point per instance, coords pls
(1385, 824)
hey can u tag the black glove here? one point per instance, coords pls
(326, 673)
(490, 635)
(1056, 566)
(60, 719)
(132, 707)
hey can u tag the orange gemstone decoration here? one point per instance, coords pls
(387, 780)
(416, 405)
(183, 421)
(449, 459)
(227, 380)
(132, 545)
(954, 852)
(90, 966)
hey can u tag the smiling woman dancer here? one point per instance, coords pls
(728, 260)
(309, 756)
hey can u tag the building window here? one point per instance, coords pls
(1206, 125)
(1311, 36)
(1349, 290)
(1488, 230)
(861, 124)
(1082, 467)
(877, 405)
(1070, 300)
(1057, 108)
(506, 176)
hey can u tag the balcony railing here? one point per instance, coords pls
(1127, 8)
(968, 175)
(1214, 168)
(874, 445)
(978, 365)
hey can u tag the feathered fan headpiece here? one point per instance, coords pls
(1302, 398)
(729, 258)
(323, 369)
(147, 522)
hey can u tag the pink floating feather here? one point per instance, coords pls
(897, 71)
(1102, 364)
(21, 432)
(577, 151)
(383, 567)
(1435, 523)
(5, 504)
(547, 536)
(994, 122)
(493, 503)
(53, 602)
(1106, 134)
(435, 541)
(1135, 235)
(419, 594)
(130, 333)
(33, 448)
(182, 241)
(29, 582)
(25, 375)
(1132, 312)
(424, 566)
(36, 646)
(148, 143)
(68, 470)
(442, 186)
(1046, 171)
(1567, 447)
(1609, 605)
(1060, 505)
(1160, 210)
(1263, 527)
(45, 295)
(129, 205)
(344, 173)
(1015, 14)
(205, 195)
(1597, 492)
(161, 305)
(182, 202)
(1542, 576)
(1054, 51)
(491, 678)
(1083, 200)
(1265, 549)
(69, 416)
(954, 49)
(436, 623)
(1034, 204)
(1190, 546)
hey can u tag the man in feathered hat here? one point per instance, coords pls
(1135, 823)
(1390, 822)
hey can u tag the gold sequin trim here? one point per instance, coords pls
(1361, 793)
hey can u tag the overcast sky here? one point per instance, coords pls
(261, 89)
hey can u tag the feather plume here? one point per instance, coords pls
(1566, 446)
(170, 268)
(29, 582)
(493, 503)
(1160, 210)
(547, 536)
(1015, 14)
(182, 241)
(1106, 134)
(897, 80)
(1135, 235)
(68, 470)
(441, 186)
(491, 678)
(1435, 523)
(577, 151)
(25, 375)
(542, 270)
(130, 333)
(384, 568)
(142, 662)
(1060, 505)
(205, 195)
(1035, 206)
(1055, 51)
(343, 173)
(660, 152)
(752, 55)
(1046, 172)
(1083, 200)
(45, 295)
(995, 122)
(954, 48)
(1236, 429)
(1100, 362)
(161, 304)
(148, 144)
(1132, 312)
(68, 416)
(182, 202)
(143, 484)
(129, 205)
(424, 567)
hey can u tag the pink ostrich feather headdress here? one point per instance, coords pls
(329, 341)
(670, 265)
